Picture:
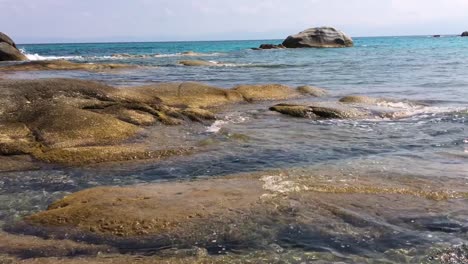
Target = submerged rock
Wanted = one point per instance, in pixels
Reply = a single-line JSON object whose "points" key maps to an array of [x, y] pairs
{"points": [[312, 90], [249, 211], [321, 37], [75, 122], [360, 99], [63, 65], [319, 111], [271, 46], [195, 63]]}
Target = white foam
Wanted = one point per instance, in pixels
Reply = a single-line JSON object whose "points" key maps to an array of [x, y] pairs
{"points": [[37, 57], [229, 119]]}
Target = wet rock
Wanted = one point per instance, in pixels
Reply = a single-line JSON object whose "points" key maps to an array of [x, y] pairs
{"points": [[360, 99], [453, 255], [10, 53], [77, 122], [321, 37], [197, 63], [312, 90], [266, 92], [248, 211], [63, 65], [464, 34], [179, 212], [191, 94], [25, 247], [319, 111], [271, 46]]}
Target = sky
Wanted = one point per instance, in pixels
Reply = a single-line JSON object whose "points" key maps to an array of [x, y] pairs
{"points": [[45, 21]]}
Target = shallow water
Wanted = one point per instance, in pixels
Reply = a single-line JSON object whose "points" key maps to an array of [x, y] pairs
{"points": [[431, 142]]}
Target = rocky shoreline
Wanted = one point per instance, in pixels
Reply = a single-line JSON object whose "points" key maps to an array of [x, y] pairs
{"points": [[289, 215]]}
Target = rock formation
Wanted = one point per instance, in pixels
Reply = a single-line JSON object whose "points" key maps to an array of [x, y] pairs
{"points": [[321, 37], [8, 50], [270, 46], [63, 65], [464, 34], [75, 122]]}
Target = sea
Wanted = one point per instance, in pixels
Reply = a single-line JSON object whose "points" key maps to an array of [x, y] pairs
{"points": [[431, 142]]}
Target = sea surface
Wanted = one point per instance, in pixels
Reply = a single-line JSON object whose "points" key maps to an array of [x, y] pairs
{"points": [[432, 142]]}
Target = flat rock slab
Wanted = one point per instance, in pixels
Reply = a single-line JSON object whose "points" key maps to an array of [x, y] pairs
{"points": [[63, 65]]}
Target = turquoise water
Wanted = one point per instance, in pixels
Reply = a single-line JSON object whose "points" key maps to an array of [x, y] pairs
{"points": [[432, 142]]}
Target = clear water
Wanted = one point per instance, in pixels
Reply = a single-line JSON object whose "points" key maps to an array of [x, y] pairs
{"points": [[432, 143]]}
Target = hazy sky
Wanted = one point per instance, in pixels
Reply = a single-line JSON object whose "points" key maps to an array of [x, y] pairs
{"points": [[146, 20]]}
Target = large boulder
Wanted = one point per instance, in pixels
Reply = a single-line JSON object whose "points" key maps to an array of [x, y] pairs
{"points": [[8, 50], [464, 34], [7, 40], [10, 53], [321, 37]]}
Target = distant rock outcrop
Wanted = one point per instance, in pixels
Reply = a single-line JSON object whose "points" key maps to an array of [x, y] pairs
{"points": [[270, 46], [321, 37], [8, 50], [464, 34]]}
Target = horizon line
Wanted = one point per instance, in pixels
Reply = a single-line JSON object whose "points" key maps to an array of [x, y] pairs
{"points": [[226, 40]]}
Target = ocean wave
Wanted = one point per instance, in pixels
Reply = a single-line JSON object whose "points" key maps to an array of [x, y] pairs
{"points": [[37, 57], [158, 55]]}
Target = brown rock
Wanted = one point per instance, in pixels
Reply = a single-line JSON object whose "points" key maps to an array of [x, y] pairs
{"points": [[266, 92], [312, 90], [63, 65]]}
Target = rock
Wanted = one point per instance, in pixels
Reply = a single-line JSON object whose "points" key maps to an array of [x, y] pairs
{"points": [[6, 39], [10, 53], [8, 50], [322, 37], [77, 122], [271, 46], [312, 90], [190, 94], [197, 95], [436, 36], [319, 111], [266, 92], [195, 63], [464, 34], [247, 211], [190, 53], [34, 247], [63, 65], [181, 212], [360, 99]]}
